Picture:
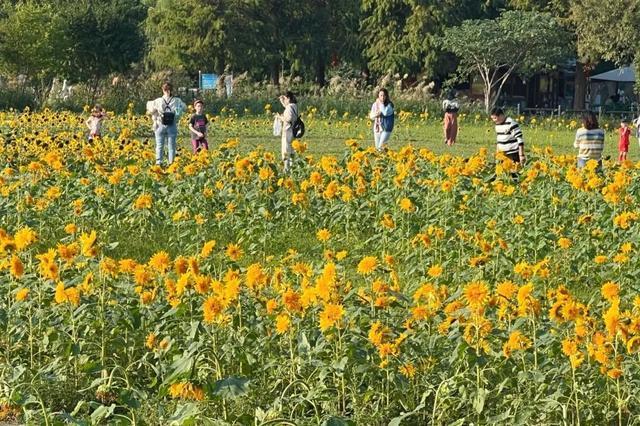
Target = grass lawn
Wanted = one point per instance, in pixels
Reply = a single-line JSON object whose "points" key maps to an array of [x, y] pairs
{"points": [[327, 136]]}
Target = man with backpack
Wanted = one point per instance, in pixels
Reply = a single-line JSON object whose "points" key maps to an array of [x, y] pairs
{"points": [[166, 112]]}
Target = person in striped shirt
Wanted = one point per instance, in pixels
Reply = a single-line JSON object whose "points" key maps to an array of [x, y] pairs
{"points": [[589, 140], [510, 141]]}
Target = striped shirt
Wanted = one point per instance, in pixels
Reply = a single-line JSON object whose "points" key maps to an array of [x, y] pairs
{"points": [[450, 105], [590, 143], [509, 136]]}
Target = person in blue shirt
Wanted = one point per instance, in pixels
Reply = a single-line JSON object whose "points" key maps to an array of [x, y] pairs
{"points": [[382, 115]]}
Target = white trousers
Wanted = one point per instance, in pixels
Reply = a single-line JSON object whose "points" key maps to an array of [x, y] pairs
{"points": [[286, 150], [381, 139]]}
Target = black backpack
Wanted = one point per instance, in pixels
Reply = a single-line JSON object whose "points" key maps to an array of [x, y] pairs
{"points": [[168, 116], [298, 126]]}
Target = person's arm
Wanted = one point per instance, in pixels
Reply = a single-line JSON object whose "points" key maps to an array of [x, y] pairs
{"points": [[576, 141], [374, 111], [523, 158], [152, 108], [516, 132], [179, 107]]}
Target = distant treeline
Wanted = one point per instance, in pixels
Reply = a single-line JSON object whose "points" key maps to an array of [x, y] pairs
{"points": [[87, 41]]}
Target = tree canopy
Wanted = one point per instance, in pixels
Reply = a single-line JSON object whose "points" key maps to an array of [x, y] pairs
{"points": [[516, 42], [85, 40]]}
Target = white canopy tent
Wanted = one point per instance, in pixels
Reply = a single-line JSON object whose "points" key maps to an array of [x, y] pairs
{"points": [[620, 75], [613, 89]]}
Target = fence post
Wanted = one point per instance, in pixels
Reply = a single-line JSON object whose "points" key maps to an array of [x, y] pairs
{"points": [[518, 109], [559, 110]]}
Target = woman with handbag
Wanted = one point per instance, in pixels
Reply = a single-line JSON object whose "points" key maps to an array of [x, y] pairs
{"points": [[288, 118], [382, 115], [166, 112]]}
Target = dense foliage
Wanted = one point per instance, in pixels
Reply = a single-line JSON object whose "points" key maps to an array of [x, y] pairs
{"points": [[85, 41]]}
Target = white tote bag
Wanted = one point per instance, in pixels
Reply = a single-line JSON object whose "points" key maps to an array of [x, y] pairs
{"points": [[277, 126]]}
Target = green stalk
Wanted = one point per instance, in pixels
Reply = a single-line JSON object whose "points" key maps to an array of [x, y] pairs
{"points": [[575, 395]]}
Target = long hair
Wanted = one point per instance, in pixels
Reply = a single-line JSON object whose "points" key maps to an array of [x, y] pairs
{"points": [[386, 100], [589, 120]]}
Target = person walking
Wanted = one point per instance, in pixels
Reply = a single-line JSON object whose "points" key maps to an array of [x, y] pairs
{"points": [[382, 114], [288, 117], [450, 125], [509, 139], [589, 141], [166, 112]]}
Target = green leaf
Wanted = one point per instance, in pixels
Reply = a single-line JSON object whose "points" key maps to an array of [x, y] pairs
{"points": [[181, 366], [338, 421], [231, 387], [184, 413], [303, 344], [478, 401], [101, 413]]}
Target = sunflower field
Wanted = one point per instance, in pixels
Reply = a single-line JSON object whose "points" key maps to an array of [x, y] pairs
{"points": [[404, 288]]}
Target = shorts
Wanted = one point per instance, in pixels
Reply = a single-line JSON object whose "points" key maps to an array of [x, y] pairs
{"points": [[199, 144]]}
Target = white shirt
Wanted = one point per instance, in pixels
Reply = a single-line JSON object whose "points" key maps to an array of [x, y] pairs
{"points": [[157, 107], [94, 124], [376, 109], [289, 116]]}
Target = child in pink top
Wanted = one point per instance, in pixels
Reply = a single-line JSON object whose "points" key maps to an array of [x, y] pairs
{"points": [[94, 122], [623, 141]]}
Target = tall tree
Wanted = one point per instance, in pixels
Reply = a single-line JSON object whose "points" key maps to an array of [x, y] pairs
{"points": [[608, 30], [101, 38], [31, 42], [186, 35], [516, 42], [326, 30], [259, 35], [401, 36]]}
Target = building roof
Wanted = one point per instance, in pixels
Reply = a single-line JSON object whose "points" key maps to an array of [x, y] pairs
{"points": [[622, 75]]}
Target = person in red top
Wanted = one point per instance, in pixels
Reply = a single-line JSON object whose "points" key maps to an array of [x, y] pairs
{"points": [[623, 141]]}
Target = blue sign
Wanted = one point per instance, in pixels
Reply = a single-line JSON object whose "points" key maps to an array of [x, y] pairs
{"points": [[208, 81]]}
